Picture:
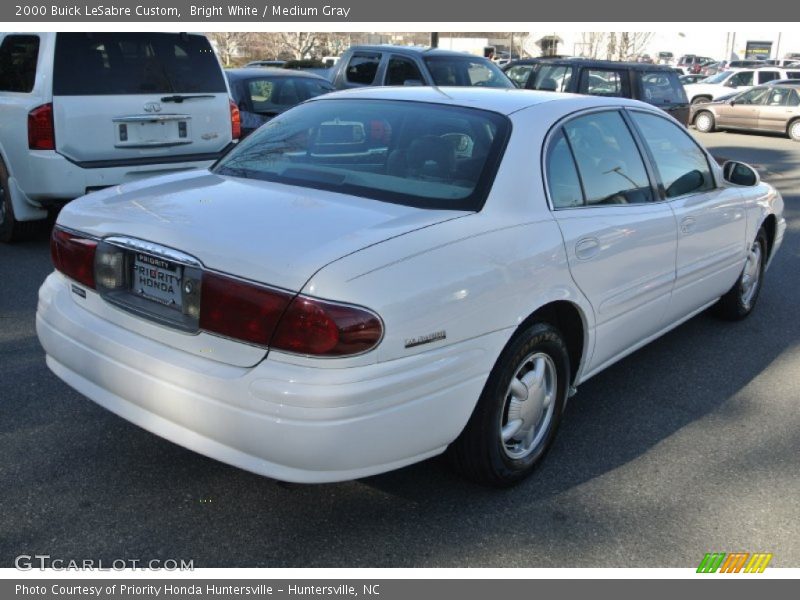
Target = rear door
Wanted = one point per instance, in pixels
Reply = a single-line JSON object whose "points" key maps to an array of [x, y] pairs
{"points": [[138, 97], [780, 107]]}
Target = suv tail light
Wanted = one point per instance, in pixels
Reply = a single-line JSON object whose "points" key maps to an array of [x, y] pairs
{"points": [[281, 320], [236, 121], [73, 256], [41, 131]]}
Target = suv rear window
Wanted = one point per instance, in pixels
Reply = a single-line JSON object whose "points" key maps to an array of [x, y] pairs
{"points": [[91, 64], [18, 56], [412, 153], [661, 87]]}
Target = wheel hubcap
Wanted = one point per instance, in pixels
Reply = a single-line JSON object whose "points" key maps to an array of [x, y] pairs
{"points": [[2, 205], [529, 406], [703, 123], [751, 275], [795, 132]]}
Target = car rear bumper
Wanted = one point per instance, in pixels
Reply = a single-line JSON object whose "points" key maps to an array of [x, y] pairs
{"points": [[289, 422], [49, 177]]}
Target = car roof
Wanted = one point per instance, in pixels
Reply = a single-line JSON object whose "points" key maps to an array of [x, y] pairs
{"points": [[258, 72], [785, 82], [412, 50], [590, 62], [501, 100]]}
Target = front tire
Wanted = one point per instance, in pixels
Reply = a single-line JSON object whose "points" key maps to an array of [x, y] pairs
{"points": [[518, 413], [701, 100], [740, 300], [704, 122]]}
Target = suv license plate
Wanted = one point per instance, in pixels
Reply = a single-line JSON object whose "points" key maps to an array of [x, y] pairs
{"points": [[157, 279]]}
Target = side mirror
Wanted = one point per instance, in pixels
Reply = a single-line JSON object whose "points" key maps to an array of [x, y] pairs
{"points": [[739, 173]]}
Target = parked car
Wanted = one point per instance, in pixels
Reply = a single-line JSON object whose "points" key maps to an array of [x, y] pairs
{"points": [[277, 64], [362, 66], [692, 63], [723, 83], [665, 58], [655, 84], [773, 107], [688, 79], [368, 280], [84, 111], [261, 94]]}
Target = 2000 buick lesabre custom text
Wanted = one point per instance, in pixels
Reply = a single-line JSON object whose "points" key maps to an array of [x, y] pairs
{"points": [[380, 275]]}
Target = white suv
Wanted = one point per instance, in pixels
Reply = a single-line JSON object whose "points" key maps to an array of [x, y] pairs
{"points": [[84, 111], [725, 82]]}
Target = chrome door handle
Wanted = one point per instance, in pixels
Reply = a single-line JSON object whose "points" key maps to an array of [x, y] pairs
{"points": [[586, 248]]}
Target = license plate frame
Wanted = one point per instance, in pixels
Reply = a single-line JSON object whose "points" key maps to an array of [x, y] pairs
{"points": [[157, 280]]}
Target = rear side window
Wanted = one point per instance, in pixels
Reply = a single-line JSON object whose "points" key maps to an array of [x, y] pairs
{"points": [[401, 70], [562, 176], [553, 78], [765, 76], [362, 68], [792, 74], [683, 167], [135, 63], [793, 99], [18, 56], [604, 82], [660, 87], [609, 163]]}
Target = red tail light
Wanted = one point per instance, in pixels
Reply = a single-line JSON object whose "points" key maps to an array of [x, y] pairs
{"points": [[73, 256], [240, 310], [41, 132], [268, 317], [321, 328], [236, 121]]}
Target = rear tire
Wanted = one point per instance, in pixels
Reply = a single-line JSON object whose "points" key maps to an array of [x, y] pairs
{"points": [[740, 300], [12, 230], [794, 130], [518, 413], [704, 122]]}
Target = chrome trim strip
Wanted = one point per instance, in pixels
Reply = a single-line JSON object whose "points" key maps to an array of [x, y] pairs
{"points": [[156, 249], [150, 118]]}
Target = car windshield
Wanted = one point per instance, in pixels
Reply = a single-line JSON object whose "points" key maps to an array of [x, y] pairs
{"points": [[466, 71], [412, 153], [717, 77]]}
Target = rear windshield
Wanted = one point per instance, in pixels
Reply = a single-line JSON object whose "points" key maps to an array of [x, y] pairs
{"points": [[272, 95], [134, 63], [466, 71], [662, 87], [412, 153]]}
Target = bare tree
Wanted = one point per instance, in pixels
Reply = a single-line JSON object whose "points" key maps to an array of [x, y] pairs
{"points": [[231, 44], [611, 47], [591, 43], [300, 43]]}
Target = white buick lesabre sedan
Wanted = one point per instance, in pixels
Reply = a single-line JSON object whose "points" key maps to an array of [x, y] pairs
{"points": [[382, 275]]}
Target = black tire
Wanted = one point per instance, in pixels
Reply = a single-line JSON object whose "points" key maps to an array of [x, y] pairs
{"points": [[704, 122], [12, 230], [740, 300], [480, 452], [701, 100], [793, 130]]}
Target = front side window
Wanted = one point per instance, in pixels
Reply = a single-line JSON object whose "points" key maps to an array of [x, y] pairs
{"points": [[466, 71], [402, 70], [519, 74], [741, 78], [552, 78], [753, 96], [362, 68], [412, 153], [18, 57], [135, 63], [681, 165], [610, 166], [604, 82]]}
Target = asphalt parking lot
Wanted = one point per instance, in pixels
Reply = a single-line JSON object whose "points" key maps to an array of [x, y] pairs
{"points": [[691, 445]]}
